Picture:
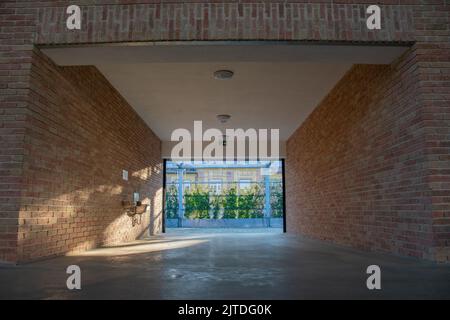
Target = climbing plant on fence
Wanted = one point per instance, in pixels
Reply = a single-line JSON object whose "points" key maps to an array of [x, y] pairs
{"points": [[216, 206], [172, 202], [230, 204], [250, 203], [196, 204], [276, 200], [202, 203]]}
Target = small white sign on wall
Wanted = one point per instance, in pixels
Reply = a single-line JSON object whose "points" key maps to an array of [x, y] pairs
{"points": [[136, 197], [125, 175]]}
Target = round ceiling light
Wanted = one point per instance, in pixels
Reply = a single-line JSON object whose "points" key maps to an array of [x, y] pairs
{"points": [[223, 74], [223, 118]]}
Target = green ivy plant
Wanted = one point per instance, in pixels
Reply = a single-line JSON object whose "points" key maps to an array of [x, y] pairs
{"points": [[172, 202], [216, 206], [250, 203], [202, 203], [196, 204], [276, 200], [230, 204]]}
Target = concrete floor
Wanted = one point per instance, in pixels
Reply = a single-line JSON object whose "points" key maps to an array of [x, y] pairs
{"points": [[226, 264]]}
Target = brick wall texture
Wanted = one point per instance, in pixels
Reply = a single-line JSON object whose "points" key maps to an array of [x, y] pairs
{"points": [[358, 166], [369, 168], [80, 135]]}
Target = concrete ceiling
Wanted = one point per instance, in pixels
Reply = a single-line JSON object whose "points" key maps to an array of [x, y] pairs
{"points": [[260, 95], [275, 86]]}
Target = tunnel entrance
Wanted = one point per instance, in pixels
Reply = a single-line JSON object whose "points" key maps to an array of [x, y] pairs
{"points": [[137, 96], [162, 87]]}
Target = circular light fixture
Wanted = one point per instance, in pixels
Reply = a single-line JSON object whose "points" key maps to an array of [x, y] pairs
{"points": [[223, 74], [223, 118]]}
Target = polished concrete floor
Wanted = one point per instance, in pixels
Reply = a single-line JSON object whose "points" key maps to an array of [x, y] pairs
{"points": [[226, 264]]}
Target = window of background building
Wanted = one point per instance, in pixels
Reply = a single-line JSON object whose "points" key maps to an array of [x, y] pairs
{"points": [[244, 183]]}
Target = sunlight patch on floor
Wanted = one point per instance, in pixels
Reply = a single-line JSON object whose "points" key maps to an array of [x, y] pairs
{"points": [[139, 247]]}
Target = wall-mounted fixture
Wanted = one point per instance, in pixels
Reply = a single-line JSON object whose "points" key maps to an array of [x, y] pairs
{"points": [[134, 209]]}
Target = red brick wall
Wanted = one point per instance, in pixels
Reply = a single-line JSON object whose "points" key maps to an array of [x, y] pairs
{"points": [[432, 32], [370, 167], [231, 20], [357, 165], [17, 29], [80, 135], [426, 69]]}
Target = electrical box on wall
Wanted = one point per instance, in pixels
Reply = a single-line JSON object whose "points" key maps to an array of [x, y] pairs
{"points": [[136, 197], [125, 175]]}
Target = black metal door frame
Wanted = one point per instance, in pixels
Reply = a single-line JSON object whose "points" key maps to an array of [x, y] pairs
{"points": [[164, 197], [283, 181]]}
